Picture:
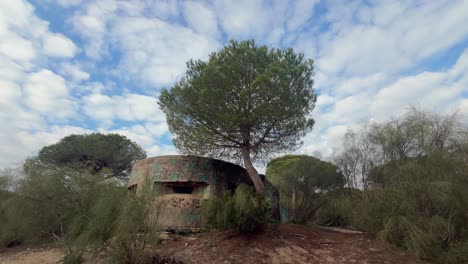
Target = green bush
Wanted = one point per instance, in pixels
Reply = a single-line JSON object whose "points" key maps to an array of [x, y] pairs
{"points": [[458, 253], [336, 211], [73, 258], [18, 222], [118, 222], [84, 213], [408, 234], [245, 210], [303, 182], [135, 230], [428, 220]]}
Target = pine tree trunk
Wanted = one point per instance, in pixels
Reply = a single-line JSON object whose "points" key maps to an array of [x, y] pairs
{"points": [[253, 174]]}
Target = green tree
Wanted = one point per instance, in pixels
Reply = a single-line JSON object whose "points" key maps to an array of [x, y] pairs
{"points": [[98, 153], [245, 102], [417, 170], [302, 180]]}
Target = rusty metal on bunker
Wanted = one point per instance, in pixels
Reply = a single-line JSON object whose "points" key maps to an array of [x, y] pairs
{"points": [[183, 182]]}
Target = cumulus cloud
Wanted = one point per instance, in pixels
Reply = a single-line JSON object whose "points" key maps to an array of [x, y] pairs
{"points": [[268, 21], [389, 36], [69, 3], [128, 107], [201, 18], [46, 92], [74, 71], [152, 49], [162, 49], [102, 70], [441, 91], [57, 45], [31, 95]]}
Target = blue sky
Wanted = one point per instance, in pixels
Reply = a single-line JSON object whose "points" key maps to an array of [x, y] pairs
{"points": [[77, 66]]}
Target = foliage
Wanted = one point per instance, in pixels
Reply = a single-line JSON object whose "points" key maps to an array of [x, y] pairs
{"points": [[41, 203], [4, 181], [85, 213], [415, 135], [5, 185], [135, 229], [245, 210], [415, 191], [246, 101], [112, 154], [302, 182], [457, 253]]}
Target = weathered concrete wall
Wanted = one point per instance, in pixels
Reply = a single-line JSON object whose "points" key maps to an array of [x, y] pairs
{"points": [[183, 183]]}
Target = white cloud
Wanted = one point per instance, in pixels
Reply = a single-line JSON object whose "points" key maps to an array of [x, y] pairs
{"points": [[159, 150], [147, 136], [152, 50], [10, 93], [128, 107], [439, 91], [24, 36], [324, 100], [69, 3], [201, 18], [36, 140], [46, 93], [57, 45], [157, 129], [368, 57], [354, 85], [74, 71], [267, 21], [162, 49], [143, 139], [463, 110], [301, 12], [92, 26], [433, 90], [17, 48], [404, 36]]}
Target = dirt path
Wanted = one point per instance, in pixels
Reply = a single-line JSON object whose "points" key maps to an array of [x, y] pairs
{"points": [[290, 244], [40, 254]]}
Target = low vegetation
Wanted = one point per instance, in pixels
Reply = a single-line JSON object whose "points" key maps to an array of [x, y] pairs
{"points": [[413, 179], [302, 182], [78, 208], [246, 210]]}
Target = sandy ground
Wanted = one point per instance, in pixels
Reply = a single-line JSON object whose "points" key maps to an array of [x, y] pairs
{"points": [[289, 244], [39, 254]]}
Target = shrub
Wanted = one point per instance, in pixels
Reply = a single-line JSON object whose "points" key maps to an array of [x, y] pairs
{"points": [[83, 212], [407, 233], [135, 228], [245, 210], [303, 182], [458, 253], [336, 211], [117, 222], [18, 223]]}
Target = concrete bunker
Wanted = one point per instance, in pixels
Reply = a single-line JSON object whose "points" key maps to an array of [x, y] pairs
{"points": [[184, 182]]}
